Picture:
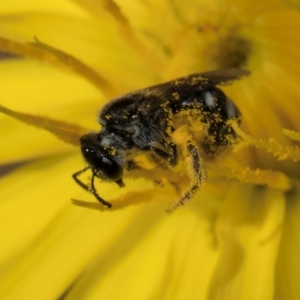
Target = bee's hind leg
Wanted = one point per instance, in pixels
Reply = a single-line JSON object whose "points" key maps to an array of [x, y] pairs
{"points": [[196, 172]]}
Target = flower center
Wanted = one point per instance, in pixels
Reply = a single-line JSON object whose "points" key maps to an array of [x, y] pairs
{"points": [[230, 50]]}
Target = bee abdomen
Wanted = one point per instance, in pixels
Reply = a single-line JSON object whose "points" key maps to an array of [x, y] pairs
{"points": [[210, 102]]}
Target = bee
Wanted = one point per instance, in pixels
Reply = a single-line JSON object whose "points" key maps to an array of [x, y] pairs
{"points": [[144, 121]]}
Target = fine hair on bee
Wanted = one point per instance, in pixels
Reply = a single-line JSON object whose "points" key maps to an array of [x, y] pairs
{"points": [[144, 122]]}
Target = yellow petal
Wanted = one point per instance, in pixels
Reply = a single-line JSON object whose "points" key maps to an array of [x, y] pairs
{"points": [[227, 243], [45, 232], [67, 132], [249, 232], [294, 3], [55, 6], [43, 91], [81, 39], [288, 263]]}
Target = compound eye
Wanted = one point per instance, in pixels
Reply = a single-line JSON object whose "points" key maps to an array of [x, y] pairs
{"points": [[112, 170]]}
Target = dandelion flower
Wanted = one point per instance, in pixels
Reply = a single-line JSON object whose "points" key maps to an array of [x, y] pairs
{"points": [[237, 239]]}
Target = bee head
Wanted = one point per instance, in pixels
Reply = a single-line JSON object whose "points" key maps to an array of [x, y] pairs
{"points": [[101, 159]]}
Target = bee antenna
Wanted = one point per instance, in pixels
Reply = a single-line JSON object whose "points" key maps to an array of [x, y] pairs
{"points": [[94, 192]]}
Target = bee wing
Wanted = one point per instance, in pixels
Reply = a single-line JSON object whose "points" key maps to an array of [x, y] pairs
{"points": [[196, 82], [217, 77]]}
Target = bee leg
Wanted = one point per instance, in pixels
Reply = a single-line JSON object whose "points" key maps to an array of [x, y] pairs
{"points": [[94, 192], [78, 181], [87, 188], [173, 156], [196, 172], [170, 154], [157, 161], [159, 174], [132, 165]]}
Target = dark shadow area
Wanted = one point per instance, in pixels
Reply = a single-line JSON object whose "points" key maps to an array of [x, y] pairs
{"points": [[5, 169], [7, 55]]}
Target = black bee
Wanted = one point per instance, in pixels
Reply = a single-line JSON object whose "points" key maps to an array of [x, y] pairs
{"points": [[144, 121]]}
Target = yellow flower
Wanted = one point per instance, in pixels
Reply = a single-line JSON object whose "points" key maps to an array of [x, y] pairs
{"points": [[238, 238]]}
